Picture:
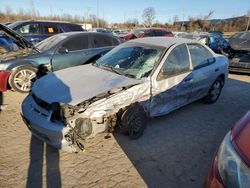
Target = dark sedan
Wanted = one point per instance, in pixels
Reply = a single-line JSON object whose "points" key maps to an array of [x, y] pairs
{"points": [[36, 31], [19, 69]]}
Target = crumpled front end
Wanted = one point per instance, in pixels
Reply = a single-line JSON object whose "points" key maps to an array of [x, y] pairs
{"points": [[67, 127]]}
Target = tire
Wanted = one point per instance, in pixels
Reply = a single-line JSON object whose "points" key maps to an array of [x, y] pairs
{"points": [[134, 121], [214, 92], [22, 79]]}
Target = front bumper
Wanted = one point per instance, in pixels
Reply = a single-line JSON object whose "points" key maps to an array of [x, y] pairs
{"points": [[38, 121], [214, 180], [4, 76]]}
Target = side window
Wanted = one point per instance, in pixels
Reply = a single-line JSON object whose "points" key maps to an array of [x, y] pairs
{"points": [[199, 55], [177, 62], [50, 29], [76, 43], [158, 33], [28, 29], [102, 41]]}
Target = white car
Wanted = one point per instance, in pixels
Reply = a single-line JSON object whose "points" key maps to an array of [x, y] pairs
{"points": [[142, 78]]}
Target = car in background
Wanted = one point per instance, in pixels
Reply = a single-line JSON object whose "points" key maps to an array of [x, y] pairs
{"points": [[147, 32], [231, 165], [101, 30], [215, 41], [36, 31], [141, 78], [239, 52], [120, 32], [20, 69]]}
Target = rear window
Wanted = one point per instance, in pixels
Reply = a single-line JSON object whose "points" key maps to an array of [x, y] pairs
{"points": [[74, 27]]}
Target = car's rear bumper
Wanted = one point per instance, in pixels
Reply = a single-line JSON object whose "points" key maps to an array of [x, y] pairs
{"points": [[39, 123], [4, 76]]}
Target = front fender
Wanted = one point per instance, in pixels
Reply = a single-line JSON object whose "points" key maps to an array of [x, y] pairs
{"points": [[4, 76]]}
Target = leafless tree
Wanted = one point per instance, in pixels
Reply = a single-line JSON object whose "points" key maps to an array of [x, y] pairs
{"points": [[148, 16]]}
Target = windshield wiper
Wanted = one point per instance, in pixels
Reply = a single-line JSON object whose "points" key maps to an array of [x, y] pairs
{"points": [[113, 69]]}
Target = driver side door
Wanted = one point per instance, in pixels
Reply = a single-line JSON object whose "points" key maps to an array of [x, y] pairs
{"points": [[172, 84], [72, 52]]}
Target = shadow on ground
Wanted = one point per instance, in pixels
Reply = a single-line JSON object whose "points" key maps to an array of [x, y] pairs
{"points": [[176, 149], [43, 154]]}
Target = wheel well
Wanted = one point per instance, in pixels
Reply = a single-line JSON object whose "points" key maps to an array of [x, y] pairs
{"points": [[222, 77]]}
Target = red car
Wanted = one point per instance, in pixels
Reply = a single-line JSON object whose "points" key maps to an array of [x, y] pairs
{"points": [[152, 32], [231, 166]]}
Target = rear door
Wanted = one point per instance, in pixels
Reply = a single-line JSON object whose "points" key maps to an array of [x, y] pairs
{"points": [[101, 44], [49, 29], [172, 84], [75, 52], [204, 70]]}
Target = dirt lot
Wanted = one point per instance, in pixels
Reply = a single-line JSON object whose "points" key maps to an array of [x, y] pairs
{"points": [[175, 151]]}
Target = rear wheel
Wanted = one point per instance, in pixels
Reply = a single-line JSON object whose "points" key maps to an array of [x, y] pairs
{"points": [[134, 121], [214, 92], [22, 79]]}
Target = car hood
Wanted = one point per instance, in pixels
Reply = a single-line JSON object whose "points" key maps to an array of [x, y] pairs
{"points": [[77, 84]]}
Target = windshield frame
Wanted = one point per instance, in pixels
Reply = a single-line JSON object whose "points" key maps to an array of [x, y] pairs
{"points": [[162, 50]]}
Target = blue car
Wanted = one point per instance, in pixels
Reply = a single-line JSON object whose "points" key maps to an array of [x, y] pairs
{"points": [[36, 31]]}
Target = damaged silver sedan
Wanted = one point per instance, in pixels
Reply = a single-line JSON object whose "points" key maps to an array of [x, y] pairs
{"points": [[137, 80]]}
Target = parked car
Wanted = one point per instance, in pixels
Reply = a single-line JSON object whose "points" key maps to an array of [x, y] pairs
{"points": [[215, 41], [141, 78], [239, 52], [19, 69], [231, 165], [150, 32], [101, 30], [36, 31]]}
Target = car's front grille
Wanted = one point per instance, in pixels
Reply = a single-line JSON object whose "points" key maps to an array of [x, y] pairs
{"points": [[41, 103]]}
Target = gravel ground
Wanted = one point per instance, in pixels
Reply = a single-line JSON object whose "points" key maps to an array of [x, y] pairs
{"points": [[175, 151]]}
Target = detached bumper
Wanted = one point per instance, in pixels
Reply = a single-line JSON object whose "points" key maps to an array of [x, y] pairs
{"points": [[38, 122], [4, 76]]}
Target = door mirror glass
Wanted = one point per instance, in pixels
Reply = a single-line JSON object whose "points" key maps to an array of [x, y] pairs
{"points": [[63, 50], [211, 60]]}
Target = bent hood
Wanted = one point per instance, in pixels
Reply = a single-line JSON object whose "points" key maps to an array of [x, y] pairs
{"points": [[77, 84]]}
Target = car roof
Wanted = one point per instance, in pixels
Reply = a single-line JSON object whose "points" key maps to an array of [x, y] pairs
{"points": [[162, 41], [84, 32]]}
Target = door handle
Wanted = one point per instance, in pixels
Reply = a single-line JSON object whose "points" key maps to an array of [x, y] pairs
{"points": [[216, 70]]}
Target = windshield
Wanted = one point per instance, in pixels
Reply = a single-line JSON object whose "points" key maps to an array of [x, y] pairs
{"points": [[132, 59], [49, 42]]}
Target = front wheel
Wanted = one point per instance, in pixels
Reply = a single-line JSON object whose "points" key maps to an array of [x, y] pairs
{"points": [[214, 92], [22, 79], [134, 121]]}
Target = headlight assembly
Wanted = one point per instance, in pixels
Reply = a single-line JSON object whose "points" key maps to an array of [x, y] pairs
{"points": [[233, 171]]}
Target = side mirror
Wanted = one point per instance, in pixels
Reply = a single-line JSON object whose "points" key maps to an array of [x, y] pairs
{"points": [[63, 50], [211, 60]]}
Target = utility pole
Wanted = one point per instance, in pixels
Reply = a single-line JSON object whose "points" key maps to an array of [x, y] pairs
{"points": [[97, 14]]}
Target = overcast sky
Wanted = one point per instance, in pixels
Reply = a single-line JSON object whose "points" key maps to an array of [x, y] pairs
{"points": [[120, 10]]}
